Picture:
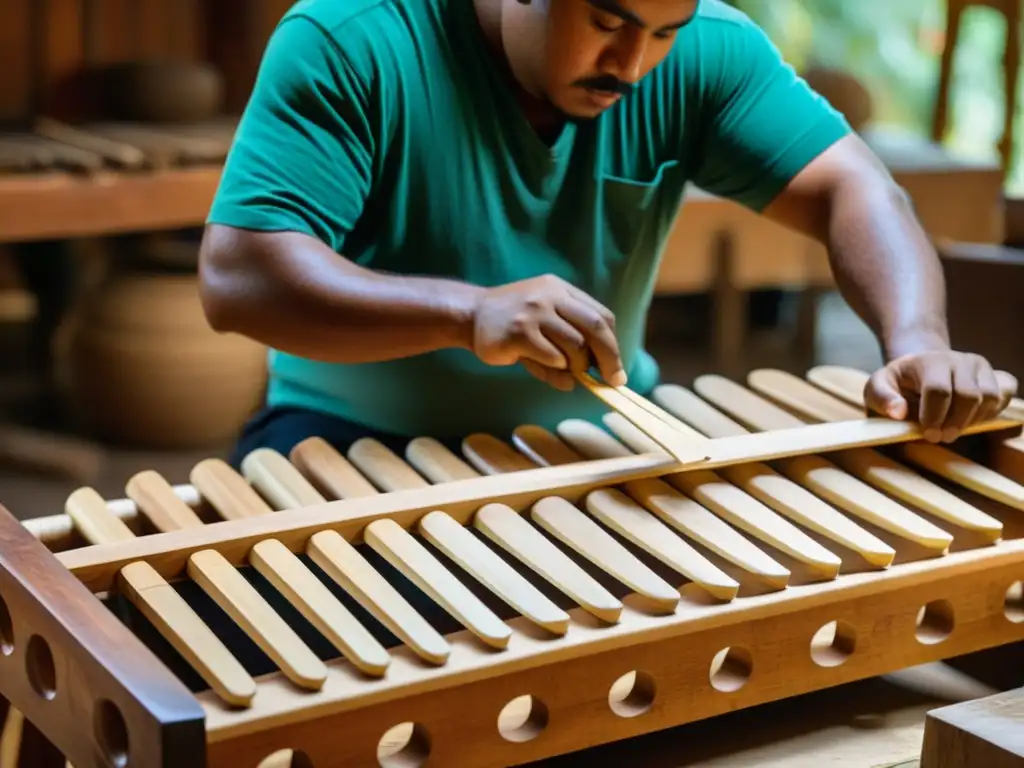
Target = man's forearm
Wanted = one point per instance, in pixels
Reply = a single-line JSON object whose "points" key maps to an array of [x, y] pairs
{"points": [[885, 267], [294, 294]]}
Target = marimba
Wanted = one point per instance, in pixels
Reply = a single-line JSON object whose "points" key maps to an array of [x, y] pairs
{"points": [[590, 585]]}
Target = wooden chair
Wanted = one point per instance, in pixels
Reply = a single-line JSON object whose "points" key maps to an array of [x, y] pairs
{"points": [[1011, 12], [984, 283]]}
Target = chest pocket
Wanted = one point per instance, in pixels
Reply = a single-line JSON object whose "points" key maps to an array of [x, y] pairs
{"points": [[634, 208]]}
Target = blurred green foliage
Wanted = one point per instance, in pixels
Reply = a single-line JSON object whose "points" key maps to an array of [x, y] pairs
{"points": [[894, 46]]}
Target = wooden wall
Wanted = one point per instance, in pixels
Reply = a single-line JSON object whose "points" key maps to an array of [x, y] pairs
{"points": [[46, 45]]}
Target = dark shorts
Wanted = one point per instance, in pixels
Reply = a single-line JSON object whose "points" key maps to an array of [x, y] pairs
{"points": [[282, 429]]}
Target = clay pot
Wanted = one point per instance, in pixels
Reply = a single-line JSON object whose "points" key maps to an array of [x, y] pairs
{"points": [[160, 91], [142, 367], [844, 92]]}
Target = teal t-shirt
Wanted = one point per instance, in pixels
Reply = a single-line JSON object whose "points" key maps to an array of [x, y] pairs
{"points": [[386, 129]]}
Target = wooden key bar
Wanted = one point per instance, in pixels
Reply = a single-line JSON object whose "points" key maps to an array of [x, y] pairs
{"points": [[161, 604], [228, 588]]}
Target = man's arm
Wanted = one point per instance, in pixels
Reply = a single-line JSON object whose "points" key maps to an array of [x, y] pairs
{"points": [[890, 274], [883, 262], [291, 292], [305, 160], [294, 186], [773, 145]]}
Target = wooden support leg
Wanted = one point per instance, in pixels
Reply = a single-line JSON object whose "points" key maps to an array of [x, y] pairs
{"points": [[807, 323], [730, 308], [940, 120], [1011, 71], [6, 749]]}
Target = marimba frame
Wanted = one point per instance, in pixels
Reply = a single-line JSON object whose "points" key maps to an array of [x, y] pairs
{"points": [[99, 694]]}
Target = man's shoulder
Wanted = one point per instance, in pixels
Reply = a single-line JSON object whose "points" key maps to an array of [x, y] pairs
{"points": [[383, 23], [374, 38], [721, 12], [332, 15], [720, 40], [720, 43]]}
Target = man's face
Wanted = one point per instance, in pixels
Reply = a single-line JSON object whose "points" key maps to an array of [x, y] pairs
{"points": [[585, 55]]}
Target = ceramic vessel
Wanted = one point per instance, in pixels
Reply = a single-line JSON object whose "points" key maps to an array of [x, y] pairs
{"points": [[143, 367]]}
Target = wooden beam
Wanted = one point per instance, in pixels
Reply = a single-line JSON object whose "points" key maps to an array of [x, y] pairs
{"points": [[983, 733]]}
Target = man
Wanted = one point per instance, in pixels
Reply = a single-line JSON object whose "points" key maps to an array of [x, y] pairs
{"points": [[436, 210]]}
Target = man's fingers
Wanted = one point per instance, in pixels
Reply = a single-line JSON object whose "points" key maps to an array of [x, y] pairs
{"points": [[883, 396], [607, 315], [601, 341], [563, 380], [568, 339], [992, 396], [1008, 388], [934, 380], [538, 348], [965, 399]]}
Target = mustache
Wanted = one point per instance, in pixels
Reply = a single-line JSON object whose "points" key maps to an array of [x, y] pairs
{"points": [[605, 83]]}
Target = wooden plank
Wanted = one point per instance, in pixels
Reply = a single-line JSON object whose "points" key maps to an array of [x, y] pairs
{"points": [[59, 206], [986, 732], [15, 61], [110, 34], [187, 23], [57, 86], [153, 27]]}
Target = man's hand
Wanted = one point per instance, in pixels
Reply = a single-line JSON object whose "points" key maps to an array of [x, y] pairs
{"points": [[943, 390], [551, 327]]}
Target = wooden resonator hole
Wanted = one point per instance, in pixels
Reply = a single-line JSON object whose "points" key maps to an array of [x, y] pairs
{"points": [[286, 758], [6, 630], [833, 644], [406, 745], [111, 733], [39, 666], [632, 694], [523, 719], [1015, 602], [935, 622], [731, 668]]}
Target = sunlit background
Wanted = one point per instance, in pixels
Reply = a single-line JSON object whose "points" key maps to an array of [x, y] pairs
{"points": [[893, 47]]}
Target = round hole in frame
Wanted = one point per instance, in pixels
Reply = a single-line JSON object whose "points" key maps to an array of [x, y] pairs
{"points": [[286, 758], [111, 733], [935, 622], [833, 644], [39, 667], [1015, 602], [523, 719], [6, 630], [731, 668], [406, 745], [632, 694]]}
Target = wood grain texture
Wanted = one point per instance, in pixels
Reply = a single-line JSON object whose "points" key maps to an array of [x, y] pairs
{"points": [[981, 733], [457, 705], [60, 37], [79, 656], [16, 61]]}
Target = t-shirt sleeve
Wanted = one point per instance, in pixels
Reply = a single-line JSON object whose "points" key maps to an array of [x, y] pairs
{"points": [[760, 123], [303, 155]]}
